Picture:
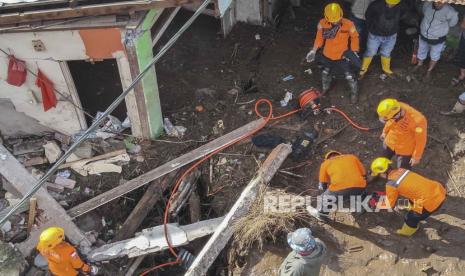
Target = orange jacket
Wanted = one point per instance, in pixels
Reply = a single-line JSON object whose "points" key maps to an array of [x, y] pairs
{"points": [[343, 172], [63, 260], [424, 193], [407, 136], [335, 48]]}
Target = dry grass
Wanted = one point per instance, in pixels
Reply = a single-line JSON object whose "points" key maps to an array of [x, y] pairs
{"points": [[259, 226]]}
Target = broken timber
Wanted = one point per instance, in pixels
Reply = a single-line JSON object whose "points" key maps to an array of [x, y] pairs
{"points": [[153, 240], [143, 207], [54, 214], [163, 169], [223, 233]]}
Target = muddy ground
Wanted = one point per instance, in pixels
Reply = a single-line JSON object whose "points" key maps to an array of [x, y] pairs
{"points": [[205, 69]]}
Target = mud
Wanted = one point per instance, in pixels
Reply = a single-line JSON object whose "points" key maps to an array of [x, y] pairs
{"points": [[221, 69]]}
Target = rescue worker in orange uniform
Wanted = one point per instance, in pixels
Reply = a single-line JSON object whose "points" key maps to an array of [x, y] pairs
{"points": [[341, 175], [425, 195], [62, 258], [404, 133], [337, 35]]}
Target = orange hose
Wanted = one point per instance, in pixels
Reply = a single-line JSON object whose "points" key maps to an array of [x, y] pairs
{"points": [[267, 118], [348, 119]]}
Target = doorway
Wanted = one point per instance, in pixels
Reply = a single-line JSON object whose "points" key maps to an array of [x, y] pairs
{"points": [[98, 84]]}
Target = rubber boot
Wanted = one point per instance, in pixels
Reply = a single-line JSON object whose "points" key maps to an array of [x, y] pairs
{"points": [[365, 64], [407, 230], [325, 80], [386, 65], [353, 84]]}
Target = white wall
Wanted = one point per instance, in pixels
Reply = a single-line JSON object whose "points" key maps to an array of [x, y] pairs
{"points": [[248, 11], [59, 45]]}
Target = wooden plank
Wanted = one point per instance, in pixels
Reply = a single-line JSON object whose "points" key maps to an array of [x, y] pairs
{"points": [[224, 231], [32, 213], [95, 158], [162, 23], [143, 207], [125, 7], [164, 169], [53, 214], [132, 269]]}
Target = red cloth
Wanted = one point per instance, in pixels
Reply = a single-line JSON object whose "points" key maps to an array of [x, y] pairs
{"points": [[16, 71], [49, 98]]}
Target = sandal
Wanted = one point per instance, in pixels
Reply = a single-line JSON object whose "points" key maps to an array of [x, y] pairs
{"points": [[455, 81]]}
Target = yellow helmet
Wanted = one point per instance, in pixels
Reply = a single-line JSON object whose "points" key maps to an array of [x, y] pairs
{"points": [[331, 152], [380, 165], [388, 108], [50, 238], [333, 12], [392, 2]]}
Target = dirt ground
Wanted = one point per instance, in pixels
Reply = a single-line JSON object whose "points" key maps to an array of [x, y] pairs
{"points": [[205, 69]]}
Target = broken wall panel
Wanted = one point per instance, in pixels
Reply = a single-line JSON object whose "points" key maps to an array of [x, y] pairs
{"points": [[53, 213], [153, 240]]}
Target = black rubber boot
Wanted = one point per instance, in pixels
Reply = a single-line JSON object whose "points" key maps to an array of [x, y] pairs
{"points": [[325, 80], [353, 85]]}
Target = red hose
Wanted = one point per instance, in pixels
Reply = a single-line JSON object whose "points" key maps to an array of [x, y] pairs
{"points": [[348, 119], [267, 118]]}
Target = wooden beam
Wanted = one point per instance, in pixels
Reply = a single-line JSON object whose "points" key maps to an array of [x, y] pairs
{"points": [[53, 214], [224, 231], [32, 213], [164, 169], [143, 207], [162, 23], [91, 10]]}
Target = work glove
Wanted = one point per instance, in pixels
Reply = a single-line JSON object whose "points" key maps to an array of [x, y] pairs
{"points": [[311, 56], [322, 186], [93, 270]]}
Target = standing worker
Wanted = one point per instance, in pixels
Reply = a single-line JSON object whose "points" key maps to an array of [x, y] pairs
{"points": [[358, 9], [404, 133], [336, 34], [306, 256], [341, 175], [438, 18], [382, 19], [63, 259], [425, 195]]}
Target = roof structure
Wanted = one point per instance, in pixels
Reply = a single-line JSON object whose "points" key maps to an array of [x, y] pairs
{"points": [[26, 11]]}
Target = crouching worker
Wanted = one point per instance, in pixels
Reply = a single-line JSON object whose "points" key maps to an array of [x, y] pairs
{"points": [[340, 175], [336, 34], [404, 134], [306, 256], [425, 195], [63, 259]]}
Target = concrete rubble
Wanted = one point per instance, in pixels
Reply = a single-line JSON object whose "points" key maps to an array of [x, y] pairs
{"points": [[152, 240]]}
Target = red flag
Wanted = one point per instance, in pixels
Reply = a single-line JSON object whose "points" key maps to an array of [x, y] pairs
{"points": [[49, 98]]}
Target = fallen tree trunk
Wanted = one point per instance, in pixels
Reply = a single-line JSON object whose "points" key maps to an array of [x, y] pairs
{"points": [[163, 170], [153, 240], [54, 214], [223, 233]]}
